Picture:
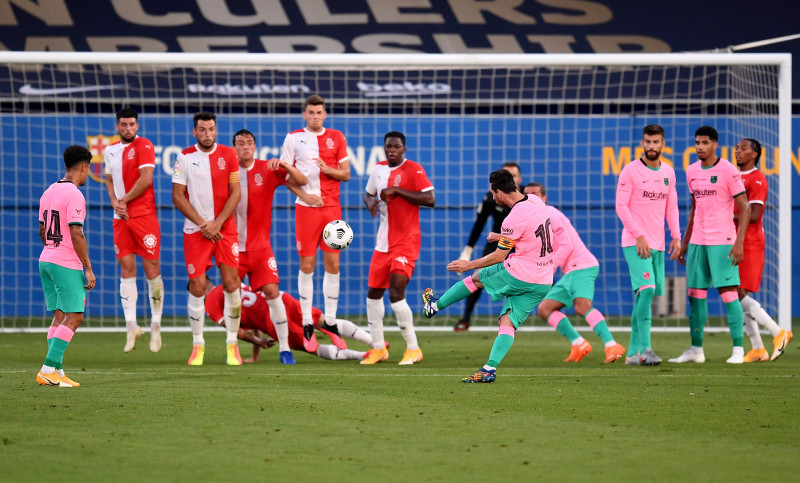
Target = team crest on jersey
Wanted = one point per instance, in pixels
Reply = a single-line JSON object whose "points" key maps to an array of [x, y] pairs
{"points": [[666, 181], [235, 249], [131, 153], [713, 179], [221, 163], [329, 143], [397, 180], [258, 179], [150, 240], [272, 264], [190, 269]]}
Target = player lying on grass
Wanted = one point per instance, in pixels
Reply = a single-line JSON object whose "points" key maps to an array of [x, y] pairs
{"points": [[256, 317]]}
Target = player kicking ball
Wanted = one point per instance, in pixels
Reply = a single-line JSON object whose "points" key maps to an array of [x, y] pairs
{"points": [[521, 279]]}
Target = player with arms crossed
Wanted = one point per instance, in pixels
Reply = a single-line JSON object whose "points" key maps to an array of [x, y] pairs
{"points": [[485, 209], [748, 153], [259, 179], [714, 246], [256, 319], [576, 287], [396, 189], [646, 196], [522, 278], [320, 154], [129, 182], [205, 188], [62, 211]]}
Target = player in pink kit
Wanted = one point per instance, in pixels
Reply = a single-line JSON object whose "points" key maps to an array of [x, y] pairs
{"points": [[129, 182], [522, 277], [206, 189], [396, 189], [259, 179], [256, 317], [748, 152], [646, 196], [713, 247], [320, 154], [576, 287], [62, 211]]}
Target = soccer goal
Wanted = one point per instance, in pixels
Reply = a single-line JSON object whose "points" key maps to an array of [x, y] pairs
{"points": [[570, 121]]}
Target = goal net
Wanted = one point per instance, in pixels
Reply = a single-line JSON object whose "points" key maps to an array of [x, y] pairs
{"points": [[571, 122]]}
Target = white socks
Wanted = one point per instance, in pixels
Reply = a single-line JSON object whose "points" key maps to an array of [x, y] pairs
{"points": [[155, 291], [330, 289], [128, 295], [757, 312], [751, 329], [332, 353], [305, 288], [233, 312], [375, 311], [277, 312], [352, 331], [197, 318], [405, 320]]}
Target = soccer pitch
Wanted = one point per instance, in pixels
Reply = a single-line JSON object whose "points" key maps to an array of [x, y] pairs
{"points": [[150, 417]]}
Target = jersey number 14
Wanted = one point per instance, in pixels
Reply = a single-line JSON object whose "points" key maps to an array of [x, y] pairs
{"points": [[53, 227]]}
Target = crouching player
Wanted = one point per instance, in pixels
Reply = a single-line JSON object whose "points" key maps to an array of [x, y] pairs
{"points": [[255, 316]]}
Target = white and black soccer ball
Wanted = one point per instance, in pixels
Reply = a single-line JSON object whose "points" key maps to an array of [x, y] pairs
{"points": [[337, 234]]}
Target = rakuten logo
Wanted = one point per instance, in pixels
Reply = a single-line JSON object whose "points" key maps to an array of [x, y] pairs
{"points": [[244, 90], [404, 89]]}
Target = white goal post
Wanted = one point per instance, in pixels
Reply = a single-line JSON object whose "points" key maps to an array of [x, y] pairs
{"points": [[569, 121]]}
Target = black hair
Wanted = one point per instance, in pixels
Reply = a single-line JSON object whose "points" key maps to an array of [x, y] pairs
{"points": [[204, 116], [127, 113], [75, 155], [756, 147], [511, 164], [243, 132], [707, 131], [502, 180], [653, 130], [534, 184], [395, 134]]}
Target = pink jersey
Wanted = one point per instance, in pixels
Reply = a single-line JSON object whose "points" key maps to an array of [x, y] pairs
{"points": [[207, 177], [254, 212], [569, 252], [301, 147], [123, 162], [61, 205], [757, 187], [713, 190], [399, 225], [645, 197], [527, 228]]}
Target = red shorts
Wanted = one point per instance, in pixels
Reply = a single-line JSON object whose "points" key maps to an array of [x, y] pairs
{"points": [[198, 250], [140, 235], [309, 223], [295, 317], [383, 264], [260, 266], [751, 269]]}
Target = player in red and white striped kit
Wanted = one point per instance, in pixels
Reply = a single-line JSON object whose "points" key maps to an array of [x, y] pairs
{"points": [[206, 189], [321, 154], [129, 181], [259, 179]]}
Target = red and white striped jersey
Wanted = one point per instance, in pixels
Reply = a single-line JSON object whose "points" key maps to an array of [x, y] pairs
{"points": [[206, 177], [123, 162], [254, 212], [399, 219], [301, 147]]}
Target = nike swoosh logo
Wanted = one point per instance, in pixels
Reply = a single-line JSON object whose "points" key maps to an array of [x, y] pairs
{"points": [[29, 90]]}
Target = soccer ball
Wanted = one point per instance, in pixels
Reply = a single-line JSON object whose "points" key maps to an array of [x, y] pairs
{"points": [[337, 234]]}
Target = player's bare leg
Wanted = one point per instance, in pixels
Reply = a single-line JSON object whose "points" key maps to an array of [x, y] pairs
{"points": [[305, 290], [155, 292]]}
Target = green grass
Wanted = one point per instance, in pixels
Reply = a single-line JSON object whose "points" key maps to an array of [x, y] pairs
{"points": [[149, 417]]}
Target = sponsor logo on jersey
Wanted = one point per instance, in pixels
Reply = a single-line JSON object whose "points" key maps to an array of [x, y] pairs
{"points": [[150, 240], [654, 195], [258, 179], [704, 193], [221, 163]]}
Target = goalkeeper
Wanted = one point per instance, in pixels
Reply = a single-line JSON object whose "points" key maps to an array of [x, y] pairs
{"points": [[488, 207]]}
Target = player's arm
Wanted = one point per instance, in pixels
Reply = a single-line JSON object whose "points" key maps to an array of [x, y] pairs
{"points": [[419, 198], [79, 243], [145, 181], [184, 206], [295, 175], [340, 174], [309, 199], [371, 202], [622, 204], [120, 210], [687, 235], [42, 232], [211, 229], [737, 250], [503, 249], [673, 221]]}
